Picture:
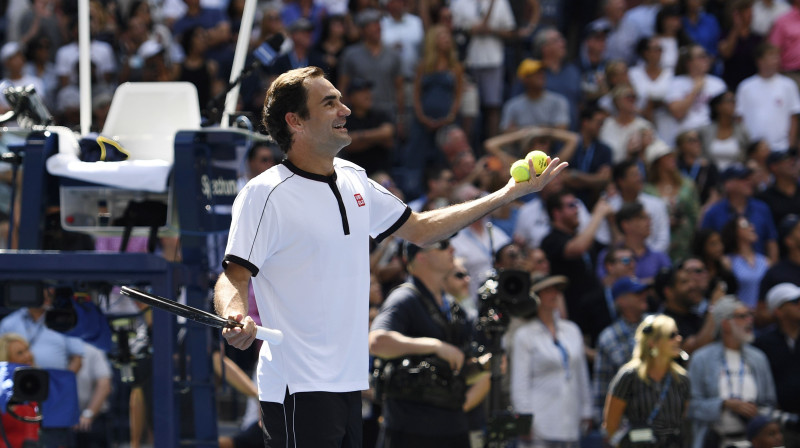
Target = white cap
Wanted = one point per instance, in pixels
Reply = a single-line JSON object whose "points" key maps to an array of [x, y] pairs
{"points": [[782, 293], [656, 150], [149, 48], [10, 49]]}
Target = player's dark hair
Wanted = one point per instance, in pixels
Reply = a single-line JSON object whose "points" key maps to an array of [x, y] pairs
{"points": [[764, 48], [287, 94]]}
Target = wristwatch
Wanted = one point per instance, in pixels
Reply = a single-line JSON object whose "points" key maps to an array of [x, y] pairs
{"points": [[87, 413]]}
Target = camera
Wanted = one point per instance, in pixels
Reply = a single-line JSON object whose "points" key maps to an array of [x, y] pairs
{"points": [[504, 294]]}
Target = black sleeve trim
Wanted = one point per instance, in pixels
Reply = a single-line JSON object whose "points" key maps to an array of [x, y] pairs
{"points": [[241, 262], [399, 223]]}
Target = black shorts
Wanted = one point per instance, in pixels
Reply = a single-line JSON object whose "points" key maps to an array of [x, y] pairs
{"points": [[313, 420]]}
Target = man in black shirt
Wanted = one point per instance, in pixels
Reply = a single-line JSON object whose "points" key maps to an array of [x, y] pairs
{"points": [[783, 196], [676, 291], [572, 253], [787, 269], [371, 130], [417, 319]]}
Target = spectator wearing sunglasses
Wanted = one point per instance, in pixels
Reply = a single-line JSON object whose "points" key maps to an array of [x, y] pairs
{"points": [[597, 310], [730, 379], [571, 250], [418, 319], [651, 391], [634, 223], [616, 342]]}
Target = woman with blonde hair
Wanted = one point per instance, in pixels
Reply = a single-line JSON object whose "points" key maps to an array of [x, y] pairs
{"points": [[650, 392], [437, 99], [14, 348]]}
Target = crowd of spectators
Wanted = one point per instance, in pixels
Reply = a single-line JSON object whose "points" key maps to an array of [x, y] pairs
{"points": [[679, 120]]}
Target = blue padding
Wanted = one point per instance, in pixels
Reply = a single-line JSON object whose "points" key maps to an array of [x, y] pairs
{"points": [[60, 410]]}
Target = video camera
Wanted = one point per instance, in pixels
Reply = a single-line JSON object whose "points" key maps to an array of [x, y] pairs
{"points": [[504, 294]]}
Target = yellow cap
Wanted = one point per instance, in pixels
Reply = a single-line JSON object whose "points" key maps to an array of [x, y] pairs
{"points": [[528, 67]]}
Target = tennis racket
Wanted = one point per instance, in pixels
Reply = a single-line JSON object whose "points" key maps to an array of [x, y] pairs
{"points": [[198, 315]]}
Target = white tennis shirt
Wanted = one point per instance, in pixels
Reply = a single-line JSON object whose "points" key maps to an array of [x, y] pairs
{"points": [[305, 239]]}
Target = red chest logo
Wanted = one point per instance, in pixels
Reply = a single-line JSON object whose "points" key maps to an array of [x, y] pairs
{"points": [[359, 200]]}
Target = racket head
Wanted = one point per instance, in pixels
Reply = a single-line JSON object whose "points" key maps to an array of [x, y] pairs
{"points": [[195, 314]]}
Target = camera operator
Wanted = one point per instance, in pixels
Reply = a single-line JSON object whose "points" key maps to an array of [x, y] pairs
{"points": [[416, 319], [51, 350], [14, 348]]}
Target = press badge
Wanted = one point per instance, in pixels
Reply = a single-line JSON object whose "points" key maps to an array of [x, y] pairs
{"points": [[641, 435]]}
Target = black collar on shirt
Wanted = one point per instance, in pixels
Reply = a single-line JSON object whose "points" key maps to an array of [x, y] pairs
{"points": [[312, 176]]}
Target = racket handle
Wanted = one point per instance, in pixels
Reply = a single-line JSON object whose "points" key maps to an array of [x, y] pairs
{"points": [[270, 335]]}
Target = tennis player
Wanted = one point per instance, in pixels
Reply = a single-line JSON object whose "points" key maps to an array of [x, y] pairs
{"points": [[300, 232]]}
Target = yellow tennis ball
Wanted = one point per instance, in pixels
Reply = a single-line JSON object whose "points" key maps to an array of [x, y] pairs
{"points": [[520, 171], [539, 159]]}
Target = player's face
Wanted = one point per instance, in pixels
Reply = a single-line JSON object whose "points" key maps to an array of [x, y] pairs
{"points": [[325, 126]]}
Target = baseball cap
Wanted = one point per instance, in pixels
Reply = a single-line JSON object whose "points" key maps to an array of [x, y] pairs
{"points": [[410, 250], [782, 293], [597, 27], [528, 67], [735, 171], [755, 425], [301, 24], [357, 84], [787, 226], [779, 156], [540, 283], [10, 49], [368, 16], [627, 285], [656, 150], [149, 49]]}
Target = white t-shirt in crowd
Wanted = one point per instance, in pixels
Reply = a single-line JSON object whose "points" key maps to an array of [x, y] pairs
{"points": [[659, 238], [699, 113], [764, 18], [404, 35], [725, 153], [766, 107], [533, 223], [101, 53], [305, 239], [484, 51], [646, 88], [617, 136]]}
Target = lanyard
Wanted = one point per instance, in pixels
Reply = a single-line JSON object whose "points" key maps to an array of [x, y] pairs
{"points": [[37, 330], [612, 310], [661, 398], [730, 381], [487, 250], [694, 172], [588, 155], [564, 356]]}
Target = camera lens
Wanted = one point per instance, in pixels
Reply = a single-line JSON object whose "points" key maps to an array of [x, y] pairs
{"points": [[30, 385], [513, 285]]}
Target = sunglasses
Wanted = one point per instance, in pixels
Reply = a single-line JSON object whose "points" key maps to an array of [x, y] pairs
{"points": [[742, 315], [674, 334], [460, 275], [625, 260], [441, 245]]}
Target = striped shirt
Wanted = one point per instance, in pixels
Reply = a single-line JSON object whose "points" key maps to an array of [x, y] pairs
{"points": [[641, 399]]}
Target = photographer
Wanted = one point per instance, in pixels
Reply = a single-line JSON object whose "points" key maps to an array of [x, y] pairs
{"points": [[417, 320]]}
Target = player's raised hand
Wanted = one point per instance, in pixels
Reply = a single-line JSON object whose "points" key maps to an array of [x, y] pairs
{"points": [[241, 337], [536, 183]]}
